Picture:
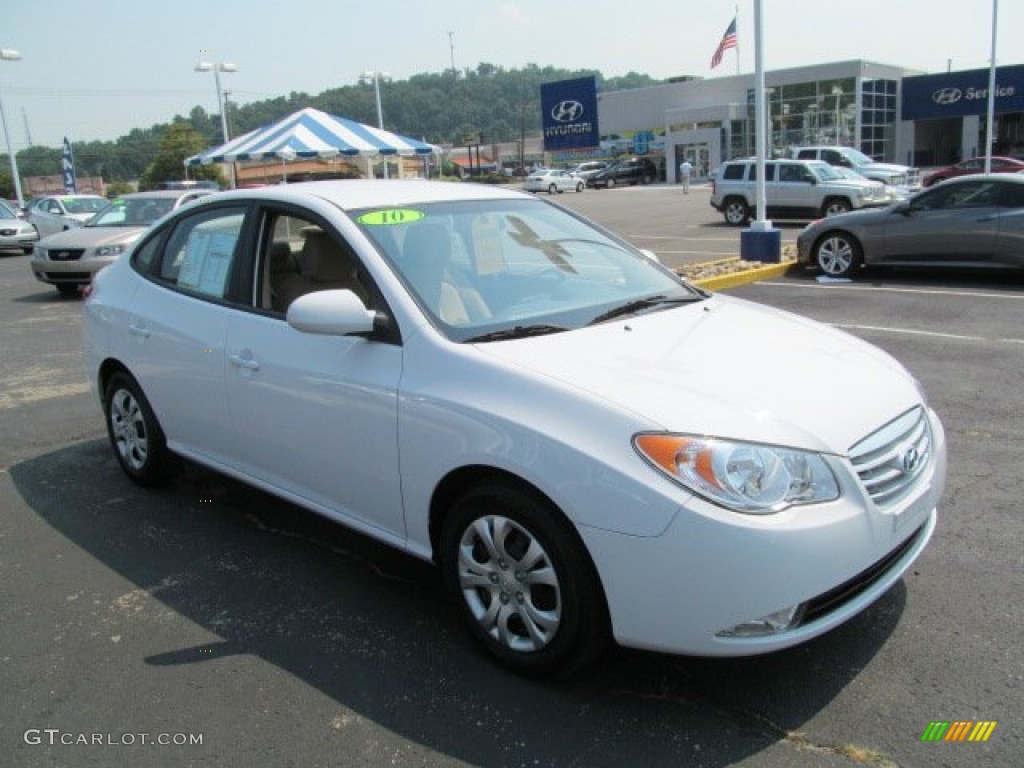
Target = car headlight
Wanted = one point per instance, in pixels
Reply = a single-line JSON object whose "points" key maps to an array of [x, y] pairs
{"points": [[744, 477], [109, 250]]}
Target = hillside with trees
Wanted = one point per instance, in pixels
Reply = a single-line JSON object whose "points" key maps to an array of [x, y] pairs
{"points": [[495, 102]]}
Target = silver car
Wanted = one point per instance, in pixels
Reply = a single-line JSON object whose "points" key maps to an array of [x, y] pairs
{"points": [[16, 234], [971, 221], [551, 181], [56, 213], [68, 260]]}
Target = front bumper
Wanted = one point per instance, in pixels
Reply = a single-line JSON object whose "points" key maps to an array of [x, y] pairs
{"points": [[713, 570]]}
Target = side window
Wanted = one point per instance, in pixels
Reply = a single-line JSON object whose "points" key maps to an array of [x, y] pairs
{"points": [[806, 154], [202, 250], [301, 257], [145, 255], [1012, 195], [734, 172], [832, 157]]}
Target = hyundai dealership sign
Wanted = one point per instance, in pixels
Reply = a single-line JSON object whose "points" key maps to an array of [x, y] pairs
{"points": [[956, 94], [569, 108]]}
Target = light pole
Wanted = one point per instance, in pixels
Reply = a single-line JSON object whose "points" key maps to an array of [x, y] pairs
{"points": [[10, 55], [837, 91], [205, 66], [375, 77]]}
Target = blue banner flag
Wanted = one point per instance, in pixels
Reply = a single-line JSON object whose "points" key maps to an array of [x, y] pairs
{"points": [[67, 163]]}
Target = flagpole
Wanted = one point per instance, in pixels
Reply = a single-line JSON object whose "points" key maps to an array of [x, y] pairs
{"points": [[737, 18], [991, 91]]}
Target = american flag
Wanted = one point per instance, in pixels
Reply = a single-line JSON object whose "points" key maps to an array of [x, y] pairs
{"points": [[728, 41]]}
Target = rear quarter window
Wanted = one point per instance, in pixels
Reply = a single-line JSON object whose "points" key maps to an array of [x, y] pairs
{"points": [[733, 172]]}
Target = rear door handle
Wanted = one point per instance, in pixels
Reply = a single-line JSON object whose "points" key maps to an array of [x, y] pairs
{"points": [[244, 362]]}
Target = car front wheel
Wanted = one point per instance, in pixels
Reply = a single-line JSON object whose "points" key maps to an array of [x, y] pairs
{"points": [[736, 211], [837, 254], [552, 189], [609, 183], [579, 186], [522, 579], [135, 434], [834, 206]]}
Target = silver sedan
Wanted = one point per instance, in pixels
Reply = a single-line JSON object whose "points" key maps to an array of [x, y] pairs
{"points": [[971, 221], [550, 180]]}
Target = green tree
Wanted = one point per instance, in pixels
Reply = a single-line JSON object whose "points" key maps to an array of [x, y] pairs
{"points": [[180, 140]]}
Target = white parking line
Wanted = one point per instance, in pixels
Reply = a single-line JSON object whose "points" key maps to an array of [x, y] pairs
{"points": [[930, 291], [911, 332]]}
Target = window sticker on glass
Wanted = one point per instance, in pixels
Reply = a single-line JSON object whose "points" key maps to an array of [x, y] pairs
{"points": [[390, 217], [207, 260], [488, 254]]}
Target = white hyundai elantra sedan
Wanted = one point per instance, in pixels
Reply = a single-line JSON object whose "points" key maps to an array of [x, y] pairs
{"points": [[589, 448]]}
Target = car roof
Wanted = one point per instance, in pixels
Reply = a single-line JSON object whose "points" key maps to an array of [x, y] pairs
{"points": [[1000, 178], [163, 194], [351, 194]]}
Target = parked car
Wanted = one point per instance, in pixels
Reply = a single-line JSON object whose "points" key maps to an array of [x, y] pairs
{"points": [[969, 221], [586, 170], [551, 181], [974, 165], [68, 260], [16, 234], [635, 170], [55, 213], [488, 381], [794, 189], [904, 178]]}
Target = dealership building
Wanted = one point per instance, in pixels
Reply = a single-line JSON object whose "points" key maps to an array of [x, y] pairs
{"points": [[890, 113]]}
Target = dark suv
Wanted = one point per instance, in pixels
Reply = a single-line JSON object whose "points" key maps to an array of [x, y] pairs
{"points": [[635, 170]]}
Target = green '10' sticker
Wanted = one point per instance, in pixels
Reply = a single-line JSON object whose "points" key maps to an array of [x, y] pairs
{"points": [[391, 216]]}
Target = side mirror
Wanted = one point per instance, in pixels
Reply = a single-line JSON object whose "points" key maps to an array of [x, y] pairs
{"points": [[331, 313]]}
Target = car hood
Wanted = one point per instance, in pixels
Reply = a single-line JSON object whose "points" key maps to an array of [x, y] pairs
{"points": [[731, 369], [92, 237]]}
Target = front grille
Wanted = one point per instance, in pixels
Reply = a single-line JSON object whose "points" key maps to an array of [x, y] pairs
{"points": [[64, 254], [828, 601], [889, 461]]}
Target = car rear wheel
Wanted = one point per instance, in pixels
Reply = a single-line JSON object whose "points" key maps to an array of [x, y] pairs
{"points": [[135, 434], [522, 580], [736, 211], [609, 183], [579, 186], [552, 189], [67, 289], [837, 254], [834, 206]]}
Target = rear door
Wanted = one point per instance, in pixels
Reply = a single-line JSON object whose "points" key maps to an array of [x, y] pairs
{"points": [[1010, 241]]}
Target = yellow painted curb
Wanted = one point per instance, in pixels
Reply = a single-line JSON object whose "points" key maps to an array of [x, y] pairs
{"points": [[721, 282]]}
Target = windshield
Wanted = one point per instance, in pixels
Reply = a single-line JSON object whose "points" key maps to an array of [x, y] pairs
{"points": [[83, 204], [827, 172], [856, 157], [131, 212], [481, 268], [6, 212]]}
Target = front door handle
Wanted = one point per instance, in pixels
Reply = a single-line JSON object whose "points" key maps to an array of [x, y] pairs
{"points": [[137, 330]]}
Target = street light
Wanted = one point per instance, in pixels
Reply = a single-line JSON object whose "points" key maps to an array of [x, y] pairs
{"points": [[375, 77], [205, 66], [837, 91], [7, 54]]}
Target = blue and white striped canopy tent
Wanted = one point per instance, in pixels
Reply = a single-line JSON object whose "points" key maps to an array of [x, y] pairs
{"points": [[310, 133]]}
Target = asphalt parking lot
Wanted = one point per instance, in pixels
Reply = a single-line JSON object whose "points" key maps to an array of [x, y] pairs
{"points": [[209, 624]]}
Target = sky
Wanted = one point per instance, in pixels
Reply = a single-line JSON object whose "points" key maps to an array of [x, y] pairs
{"points": [[97, 70]]}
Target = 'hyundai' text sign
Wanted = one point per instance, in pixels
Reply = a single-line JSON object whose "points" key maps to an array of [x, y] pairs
{"points": [[569, 108], [956, 94]]}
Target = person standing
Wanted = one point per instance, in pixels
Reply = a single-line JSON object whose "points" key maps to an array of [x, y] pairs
{"points": [[685, 171]]}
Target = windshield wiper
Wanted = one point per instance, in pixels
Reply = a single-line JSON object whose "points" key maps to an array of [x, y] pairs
{"points": [[632, 307], [518, 332]]}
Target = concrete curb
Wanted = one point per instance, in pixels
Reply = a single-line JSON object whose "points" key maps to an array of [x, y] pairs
{"points": [[722, 282]]}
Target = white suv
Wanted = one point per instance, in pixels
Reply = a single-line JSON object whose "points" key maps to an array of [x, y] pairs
{"points": [[794, 189]]}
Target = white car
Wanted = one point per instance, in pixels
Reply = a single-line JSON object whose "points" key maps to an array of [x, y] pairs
{"points": [[55, 213], [16, 234], [587, 446], [551, 181]]}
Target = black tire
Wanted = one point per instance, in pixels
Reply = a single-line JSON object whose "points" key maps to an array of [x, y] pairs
{"points": [[67, 289], [552, 189], [736, 211], [554, 624], [135, 434], [609, 183], [838, 254], [579, 186], [647, 178], [835, 205]]}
